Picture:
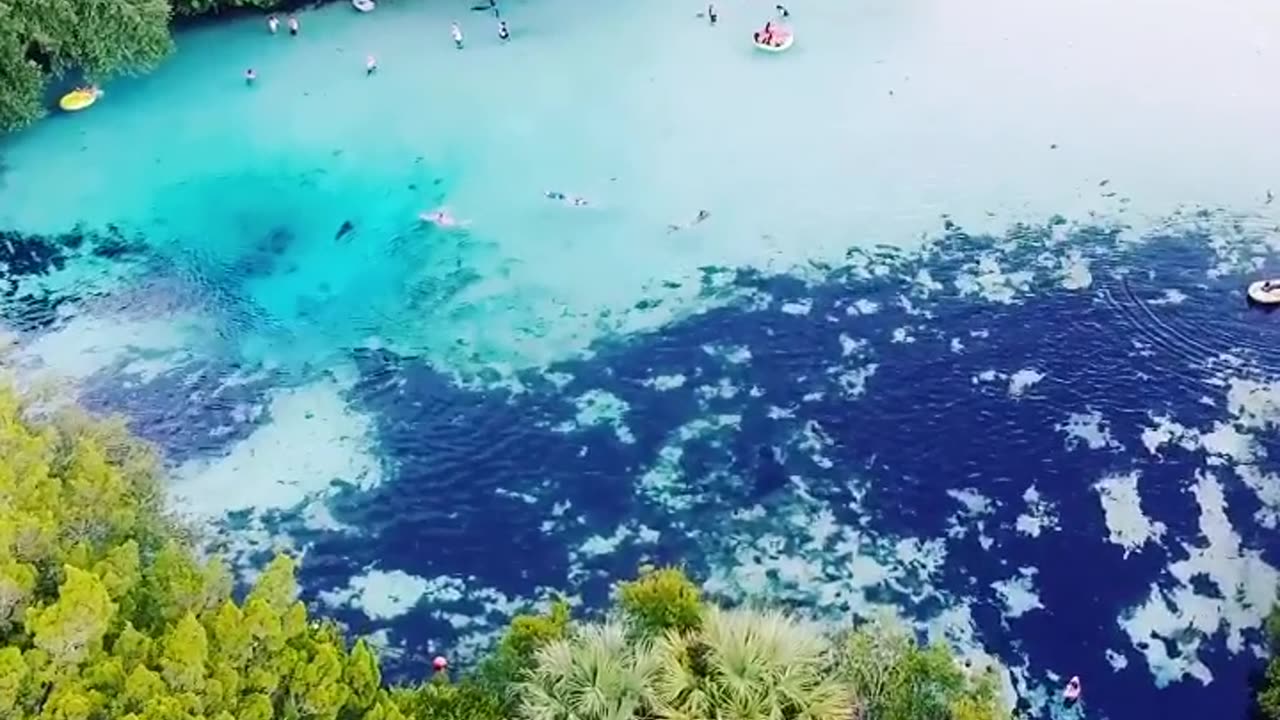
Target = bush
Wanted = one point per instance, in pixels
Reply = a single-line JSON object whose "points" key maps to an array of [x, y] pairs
{"points": [[892, 677], [661, 600], [750, 665]]}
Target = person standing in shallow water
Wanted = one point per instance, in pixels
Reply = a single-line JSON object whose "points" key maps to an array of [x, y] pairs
{"points": [[503, 34], [370, 65], [273, 24], [711, 13], [250, 76], [456, 32], [293, 25]]}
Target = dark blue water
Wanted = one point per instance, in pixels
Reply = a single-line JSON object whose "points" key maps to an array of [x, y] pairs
{"points": [[926, 424]]}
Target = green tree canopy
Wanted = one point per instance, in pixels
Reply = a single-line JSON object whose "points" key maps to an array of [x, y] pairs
{"points": [[41, 39]]}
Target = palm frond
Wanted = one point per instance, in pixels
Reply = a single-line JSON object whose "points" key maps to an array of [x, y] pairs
{"points": [[594, 675], [747, 665]]}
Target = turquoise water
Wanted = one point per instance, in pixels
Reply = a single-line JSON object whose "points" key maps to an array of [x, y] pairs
{"points": [[617, 392], [997, 112]]}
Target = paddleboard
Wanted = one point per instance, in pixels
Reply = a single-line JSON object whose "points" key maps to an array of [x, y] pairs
{"points": [[77, 100]]}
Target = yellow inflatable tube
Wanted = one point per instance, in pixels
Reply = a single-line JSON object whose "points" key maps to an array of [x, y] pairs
{"points": [[78, 100]]}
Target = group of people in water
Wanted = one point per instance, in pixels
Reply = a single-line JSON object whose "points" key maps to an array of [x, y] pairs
{"points": [[273, 27], [773, 34], [371, 62], [442, 218]]}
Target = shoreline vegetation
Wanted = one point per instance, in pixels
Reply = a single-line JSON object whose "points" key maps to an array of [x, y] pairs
{"points": [[43, 42], [109, 611]]}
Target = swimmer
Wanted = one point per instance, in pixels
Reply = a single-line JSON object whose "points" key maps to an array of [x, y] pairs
{"points": [[702, 215], [783, 11], [456, 32], [503, 33], [711, 13], [574, 200], [293, 25], [273, 24], [370, 65], [441, 218], [250, 76]]}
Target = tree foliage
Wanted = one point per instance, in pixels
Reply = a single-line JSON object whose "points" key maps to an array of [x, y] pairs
{"points": [[1268, 687], [892, 677], [661, 600], [211, 7], [750, 665], [41, 40], [105, 612]]}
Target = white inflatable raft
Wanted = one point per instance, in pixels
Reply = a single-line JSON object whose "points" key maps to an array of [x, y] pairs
{"points": [[363, 5], [1265, 292], [787, 42]]}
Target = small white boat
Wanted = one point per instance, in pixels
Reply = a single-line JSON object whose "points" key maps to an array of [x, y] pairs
{"points": [[1265, 292], [363, 5]]}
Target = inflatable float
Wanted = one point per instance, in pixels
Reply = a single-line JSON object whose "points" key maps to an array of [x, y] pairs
{"points": [[363, 5], [787, 41], [78, 99], [1265, 292], [1071, 692]]}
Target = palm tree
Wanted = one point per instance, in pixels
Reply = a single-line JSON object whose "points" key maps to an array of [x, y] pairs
{"points": [[747, 665], [597, 674]]}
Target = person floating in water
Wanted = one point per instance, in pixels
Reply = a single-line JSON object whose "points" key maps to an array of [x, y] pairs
{"points": [[711, 13], [765, 36], [574, 200], [503, 33], [293, 25], [273, 24], [456, 32], [783, 12], [1071, 693], [702, 215], [441, 218], [250, 76], [370, 65], [772, 35]]}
